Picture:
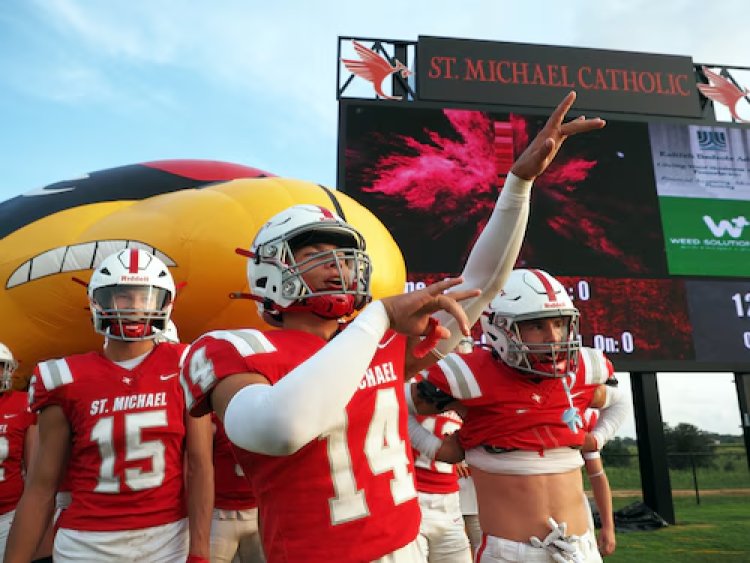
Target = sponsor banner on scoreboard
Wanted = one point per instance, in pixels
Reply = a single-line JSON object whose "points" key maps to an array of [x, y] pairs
{"points": [[700, 161], [460, 70], [706, 237]]}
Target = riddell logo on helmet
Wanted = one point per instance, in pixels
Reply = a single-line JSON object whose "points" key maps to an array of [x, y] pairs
{"points": [[126, 278], [553, 305]]}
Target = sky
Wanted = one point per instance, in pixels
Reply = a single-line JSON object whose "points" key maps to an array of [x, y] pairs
{"points": [[87, 85]]}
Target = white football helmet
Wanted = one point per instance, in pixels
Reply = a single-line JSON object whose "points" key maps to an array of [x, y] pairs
{"points": [[8, 365], [277, 281], [529, 295], [131, 295]]}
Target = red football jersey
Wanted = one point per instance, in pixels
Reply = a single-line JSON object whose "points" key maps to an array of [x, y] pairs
{"points": [[15, 419], [348, 496], [232, 490], [437, 476], [509, 409], [125, 469]]}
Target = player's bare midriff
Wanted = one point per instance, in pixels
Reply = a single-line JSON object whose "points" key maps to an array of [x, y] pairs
{"points": [[516, 507]]}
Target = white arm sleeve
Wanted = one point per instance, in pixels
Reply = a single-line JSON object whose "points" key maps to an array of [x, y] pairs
{"points": [[493, 256], [424, 441], [280, 419], [611, 416]]}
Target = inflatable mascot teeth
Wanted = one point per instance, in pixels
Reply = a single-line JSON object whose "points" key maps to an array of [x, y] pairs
{"points": [[192, 213]]}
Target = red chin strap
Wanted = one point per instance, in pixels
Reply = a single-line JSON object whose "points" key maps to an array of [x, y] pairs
{"points": [[548, 365], [134, 330], [326, 306]]}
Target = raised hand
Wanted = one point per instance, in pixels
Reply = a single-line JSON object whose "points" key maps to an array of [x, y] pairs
{"points": [[540, 152], [409, 313]]}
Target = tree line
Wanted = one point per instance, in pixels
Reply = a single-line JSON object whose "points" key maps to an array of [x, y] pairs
{"points": [[686, 444]]}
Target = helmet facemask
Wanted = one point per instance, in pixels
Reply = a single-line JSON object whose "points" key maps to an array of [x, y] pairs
{"points": [[8, 365], [528, 296], [352, 266], [130, 295], [278, 278], [131, 312], [548, 359]]}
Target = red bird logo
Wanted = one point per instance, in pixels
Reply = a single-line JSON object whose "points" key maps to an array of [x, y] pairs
{"points": [[723, 91], [374, 68]]}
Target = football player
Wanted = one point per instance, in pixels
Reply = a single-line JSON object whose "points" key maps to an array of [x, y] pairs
{"points": [[316, 410], [523, 430], [115, 423], [442, 535], [234, 525], [18, 442]]}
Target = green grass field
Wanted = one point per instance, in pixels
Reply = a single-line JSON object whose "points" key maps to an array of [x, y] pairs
{"points": [[629, 478], [716, 530], [726, 470]]}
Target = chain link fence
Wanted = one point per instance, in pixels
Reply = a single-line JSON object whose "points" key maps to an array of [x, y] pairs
{"points": [[696, 473]]}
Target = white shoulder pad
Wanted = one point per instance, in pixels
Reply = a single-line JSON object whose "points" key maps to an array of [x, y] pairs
{"points": [[460, 378], [594, 366], [55, 373], [247, 341]]}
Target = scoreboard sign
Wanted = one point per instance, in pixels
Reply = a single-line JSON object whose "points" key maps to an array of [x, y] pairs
{"points": [[646, 223], [489, 72]]}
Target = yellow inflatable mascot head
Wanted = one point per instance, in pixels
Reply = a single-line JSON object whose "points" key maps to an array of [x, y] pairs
{"points": [[193, 214]]}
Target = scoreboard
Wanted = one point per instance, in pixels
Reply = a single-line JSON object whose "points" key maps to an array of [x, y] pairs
{"points": [[646, 222]]}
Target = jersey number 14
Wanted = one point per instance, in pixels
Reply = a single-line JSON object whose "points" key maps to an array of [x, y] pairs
{"points": [[384, 450]]}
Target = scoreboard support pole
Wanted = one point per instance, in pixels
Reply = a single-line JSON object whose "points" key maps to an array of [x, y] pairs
{"points": [[742, 381], [400, 52], [652, 451]]}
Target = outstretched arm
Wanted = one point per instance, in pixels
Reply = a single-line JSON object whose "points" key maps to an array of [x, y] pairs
{"points": [[495, 252], [307, 402]]}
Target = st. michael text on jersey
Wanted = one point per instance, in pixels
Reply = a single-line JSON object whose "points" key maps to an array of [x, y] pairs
{"points": [[129, 402], [378, 374]]}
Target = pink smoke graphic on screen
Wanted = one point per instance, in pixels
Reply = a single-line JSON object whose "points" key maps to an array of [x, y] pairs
{"points": [[456, 179], [460, 175]]}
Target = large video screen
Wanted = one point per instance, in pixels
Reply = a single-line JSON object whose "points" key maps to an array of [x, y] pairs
{"points": [[645, 223]]}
